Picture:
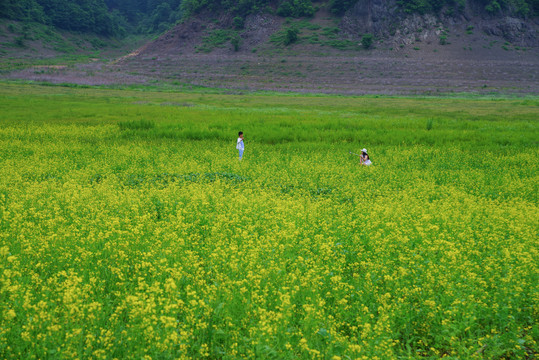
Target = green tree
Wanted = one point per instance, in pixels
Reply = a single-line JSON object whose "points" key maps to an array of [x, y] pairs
{"points": [[26, 10], [296, 8]]}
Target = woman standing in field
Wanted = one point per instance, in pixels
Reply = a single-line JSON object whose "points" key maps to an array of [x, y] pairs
{"points": [[364, 158], [239, 144]]}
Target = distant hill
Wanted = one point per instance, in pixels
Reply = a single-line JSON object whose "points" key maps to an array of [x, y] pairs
{"points": [[120, 17], [373, 46], [363, 25], [351, 47]]}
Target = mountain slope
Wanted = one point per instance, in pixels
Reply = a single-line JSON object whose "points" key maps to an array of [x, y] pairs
{"points": [[213, 32], [411, 53]]}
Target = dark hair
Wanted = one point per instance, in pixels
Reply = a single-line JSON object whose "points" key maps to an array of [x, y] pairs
{"points": [[240, 133], [368, 157]]}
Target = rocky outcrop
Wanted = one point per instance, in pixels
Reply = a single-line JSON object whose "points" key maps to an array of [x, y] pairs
{"points": [[372, 16], [517, 31], [384, 19]]}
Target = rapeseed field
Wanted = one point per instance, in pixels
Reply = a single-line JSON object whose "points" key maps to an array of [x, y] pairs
{"points": [[130, 230]]}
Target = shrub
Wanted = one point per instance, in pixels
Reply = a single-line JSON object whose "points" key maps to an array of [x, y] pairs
{"points": [[493, 7], [238, 22], [235, 41], [19, 41], [330, 32], [366, 41], [291, 36], [443, 40], [338, 7], [296, 8]]}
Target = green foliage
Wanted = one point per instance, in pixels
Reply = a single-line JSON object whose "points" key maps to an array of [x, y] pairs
{"points": [[120, 17], [366, 41], [338, 7], [235, 41], [344, 44], [291, 36], [102, 17], [141, 124], [238, 22], [443, 40], [330, 32], [82, 15], [236, 7], [520, 7], [424, 6], [286, 36], [311, 34], [296, 8], [493, 7], [219, 38], [27, 10], [19, 42]]}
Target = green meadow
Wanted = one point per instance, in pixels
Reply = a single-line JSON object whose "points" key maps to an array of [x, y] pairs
{"points": [[130, 229]]}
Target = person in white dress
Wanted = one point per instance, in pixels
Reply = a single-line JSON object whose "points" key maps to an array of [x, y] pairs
{"points": [[239, 144]]}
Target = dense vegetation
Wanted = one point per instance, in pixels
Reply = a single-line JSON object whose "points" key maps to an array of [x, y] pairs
{"points": [[117, 17], [299, 8], [130, 230], [103, 17], [521, 7]]}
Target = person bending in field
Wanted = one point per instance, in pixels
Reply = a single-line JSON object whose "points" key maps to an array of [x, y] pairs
{"points": [[364, 158], [239, 144]]}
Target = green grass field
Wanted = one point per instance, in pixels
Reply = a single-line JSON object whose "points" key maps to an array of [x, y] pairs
{"points": [[129, 229]]}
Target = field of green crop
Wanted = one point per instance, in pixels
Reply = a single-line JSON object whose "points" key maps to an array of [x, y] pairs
{"points": [[129, 229]]}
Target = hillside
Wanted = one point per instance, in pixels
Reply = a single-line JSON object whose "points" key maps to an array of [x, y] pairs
{"points": [[443, 52], [411, 53]]}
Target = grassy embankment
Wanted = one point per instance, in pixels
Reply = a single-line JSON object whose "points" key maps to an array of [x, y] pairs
{"points": [[24, 45], [129, 228]]}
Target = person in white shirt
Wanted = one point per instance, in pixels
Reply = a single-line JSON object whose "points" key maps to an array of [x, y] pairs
{"points": [[364, 158], [239, 144]]}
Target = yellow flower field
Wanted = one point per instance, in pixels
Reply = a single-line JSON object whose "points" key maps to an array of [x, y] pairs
{"points": [[129, 229]]}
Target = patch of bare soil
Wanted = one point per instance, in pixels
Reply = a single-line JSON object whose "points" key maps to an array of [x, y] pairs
{"points": [[375, 73], [360, 74]]}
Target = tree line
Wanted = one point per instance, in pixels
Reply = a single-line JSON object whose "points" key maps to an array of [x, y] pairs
{"points": [[493, 7], [102, 17], [301, 8], [120, 17]]}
